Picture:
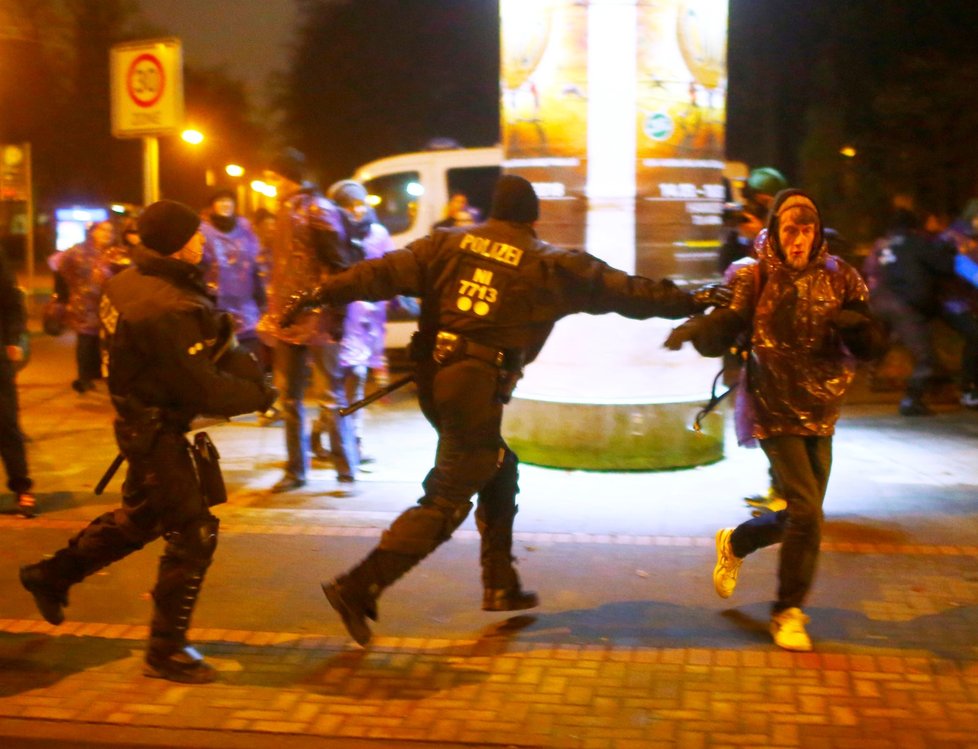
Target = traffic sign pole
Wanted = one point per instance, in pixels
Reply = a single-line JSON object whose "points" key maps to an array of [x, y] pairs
{"points": [[147, 99], [151, 170]]}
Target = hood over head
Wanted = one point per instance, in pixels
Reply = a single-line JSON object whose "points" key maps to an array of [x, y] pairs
{"points": [[785, 201]]}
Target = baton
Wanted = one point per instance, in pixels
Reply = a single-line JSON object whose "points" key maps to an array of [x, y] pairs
{"points": [[377, 394], [109, 473]]}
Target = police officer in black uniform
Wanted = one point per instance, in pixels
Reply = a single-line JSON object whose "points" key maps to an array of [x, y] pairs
{"points": [[171, 357], [490, 294]]}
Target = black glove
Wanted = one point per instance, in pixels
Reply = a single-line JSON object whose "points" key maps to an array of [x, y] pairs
{"points": [[679, 336], [847, 319], [298, 303], [712, 295]]}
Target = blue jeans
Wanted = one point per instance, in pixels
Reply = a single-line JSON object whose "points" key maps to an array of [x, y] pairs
{"points": [[345, 386], [292, 361], [801, 466]]}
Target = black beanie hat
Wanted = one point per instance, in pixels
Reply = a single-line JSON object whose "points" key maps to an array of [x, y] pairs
{"points": [[514, 200], [166, 226]]}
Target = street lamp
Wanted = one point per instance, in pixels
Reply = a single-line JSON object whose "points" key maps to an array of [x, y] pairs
{"points": [[194, 137]]}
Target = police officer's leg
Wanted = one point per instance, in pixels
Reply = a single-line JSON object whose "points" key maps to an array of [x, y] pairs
{"points": [[914, 332], [494, 517], [108, 538], [190, 532], [185, 559], [466, 415], [960, 317], [291, 360]]}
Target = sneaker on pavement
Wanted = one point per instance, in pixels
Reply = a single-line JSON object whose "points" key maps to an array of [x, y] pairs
{"points": [[727, 566], [969, 399], [914, 407], [788, 630], [26, 504]]}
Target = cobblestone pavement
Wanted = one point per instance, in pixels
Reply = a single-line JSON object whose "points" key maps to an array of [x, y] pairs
{"points": [[630, 647]]}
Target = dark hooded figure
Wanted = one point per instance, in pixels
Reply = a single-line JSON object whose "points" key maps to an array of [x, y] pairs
{"points": [[807, 317], [491, 294]]}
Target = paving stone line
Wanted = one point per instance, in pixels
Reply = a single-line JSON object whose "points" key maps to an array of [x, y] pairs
{"points": [[292, 529]]}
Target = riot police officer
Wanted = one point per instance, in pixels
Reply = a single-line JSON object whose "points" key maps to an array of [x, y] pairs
{"points": [[490, 294], [171, 357]]}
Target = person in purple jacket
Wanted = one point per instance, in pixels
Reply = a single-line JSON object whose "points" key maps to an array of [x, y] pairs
{"points": [[364, 326], [231, 267]]}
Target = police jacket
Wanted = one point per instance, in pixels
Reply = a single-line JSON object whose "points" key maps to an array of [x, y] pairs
{"points": [[912, 266], [805, 327], [162, 337], [497, 284]]}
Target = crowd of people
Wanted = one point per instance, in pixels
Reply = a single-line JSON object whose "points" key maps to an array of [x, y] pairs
{"points": [[210, 313]]}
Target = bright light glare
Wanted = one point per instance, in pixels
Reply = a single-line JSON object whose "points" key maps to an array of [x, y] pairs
{"points": [[118, 208], [414, 189], [373, 200], [234, 170], [194, 137], [848, 151], [264, 188]]}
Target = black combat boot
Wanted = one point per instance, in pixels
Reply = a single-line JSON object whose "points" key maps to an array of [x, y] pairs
{"points": [[354, 595], [494, 518], [99, 544], [50, 598], [502, 590], [181, 573]]}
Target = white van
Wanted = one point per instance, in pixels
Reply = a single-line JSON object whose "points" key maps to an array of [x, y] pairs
{"points": [[409, 192]]}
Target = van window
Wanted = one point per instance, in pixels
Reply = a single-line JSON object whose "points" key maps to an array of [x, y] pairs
{"points": [[477, 182], [396, 197]]}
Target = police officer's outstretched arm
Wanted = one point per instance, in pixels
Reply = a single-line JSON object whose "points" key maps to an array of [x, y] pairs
{"points": [[715, 333], [603, 289], [393, 274], [195, 380]]}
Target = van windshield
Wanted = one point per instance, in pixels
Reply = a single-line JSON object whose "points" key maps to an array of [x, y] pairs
{"points": [[395, 199]]}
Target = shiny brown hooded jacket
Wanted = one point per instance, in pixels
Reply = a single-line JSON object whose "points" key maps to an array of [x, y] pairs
{"points": [[806, 329]]}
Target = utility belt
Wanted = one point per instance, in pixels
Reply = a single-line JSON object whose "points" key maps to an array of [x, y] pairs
{"points": [[451, 347], [137, 429]]}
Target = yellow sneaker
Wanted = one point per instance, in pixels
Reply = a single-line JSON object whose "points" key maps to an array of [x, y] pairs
{"points": [[788, 630], [727, 567]]}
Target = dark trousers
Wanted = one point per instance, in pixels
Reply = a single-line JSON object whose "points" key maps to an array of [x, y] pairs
{"points": [[912, 329], [12, 449], [88, 357], [802, 466], [160, 497], [460, 400]]}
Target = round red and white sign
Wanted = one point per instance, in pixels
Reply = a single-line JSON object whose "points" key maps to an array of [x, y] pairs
{"points": [[145, 80]]}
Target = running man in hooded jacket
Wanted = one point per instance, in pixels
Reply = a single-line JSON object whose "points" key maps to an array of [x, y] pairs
{"points": [[807, 316]]}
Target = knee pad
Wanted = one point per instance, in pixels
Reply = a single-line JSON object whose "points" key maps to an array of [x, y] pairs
{"points": [[422, 529], [195, 542]]}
